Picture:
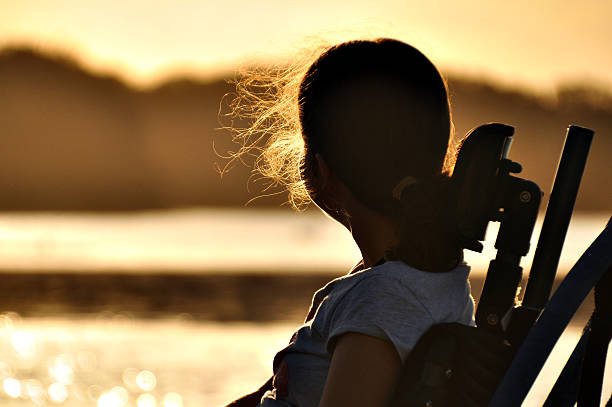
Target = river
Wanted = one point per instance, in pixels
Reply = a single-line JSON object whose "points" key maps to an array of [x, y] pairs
{"points": [[116, 360]]}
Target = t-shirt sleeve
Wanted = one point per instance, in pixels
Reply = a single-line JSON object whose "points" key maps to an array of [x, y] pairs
{"points": [[383, 307]]}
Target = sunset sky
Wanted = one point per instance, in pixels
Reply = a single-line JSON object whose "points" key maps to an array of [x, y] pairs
{"points": [[523, 43]]}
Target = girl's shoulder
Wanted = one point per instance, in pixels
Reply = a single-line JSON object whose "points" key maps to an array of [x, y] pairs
{"points": [[396, 302], [399, 274], [397, 279], [395, 284]]}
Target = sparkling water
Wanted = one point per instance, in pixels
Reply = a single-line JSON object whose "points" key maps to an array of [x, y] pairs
{"points": [[114, 361]]}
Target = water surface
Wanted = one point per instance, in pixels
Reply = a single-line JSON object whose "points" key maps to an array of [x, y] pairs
{"points": [[112, 361], [202, 240]]}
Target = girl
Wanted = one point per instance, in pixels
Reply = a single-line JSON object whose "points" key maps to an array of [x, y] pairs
{"points": [[374, 155]]}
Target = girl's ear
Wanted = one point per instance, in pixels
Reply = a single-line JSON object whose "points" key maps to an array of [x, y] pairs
{"points": [[328, 192], [325, 187]]}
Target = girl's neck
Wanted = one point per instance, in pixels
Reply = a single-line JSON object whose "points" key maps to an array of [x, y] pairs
{"points": [[373, 233]]}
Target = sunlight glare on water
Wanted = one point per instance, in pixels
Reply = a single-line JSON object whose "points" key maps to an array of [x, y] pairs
{"points": [[146, 400], [25, 344], [173, 400], [116, 397], [102, 362], [62, 369], [12, 387], [35, 392], [58, 393], [115, 360], [182, 363], [196, 240], [202, 240], [146, 380], [80, 363]]}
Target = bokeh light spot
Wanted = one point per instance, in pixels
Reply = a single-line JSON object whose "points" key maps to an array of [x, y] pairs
{"points": [[172, 400], [58, 393], [12, 387], [35, 391], [146, 400], [62, 369], [121, 394], [146, 380], [24, 343], [108, 400], [129, 379], [116, 397]]}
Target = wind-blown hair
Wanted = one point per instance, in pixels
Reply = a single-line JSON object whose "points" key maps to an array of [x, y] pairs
{"points": [[378, 112], [267, 99]]}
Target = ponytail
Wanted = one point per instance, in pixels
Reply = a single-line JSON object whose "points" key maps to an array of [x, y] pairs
{"points": [[426, 225]]}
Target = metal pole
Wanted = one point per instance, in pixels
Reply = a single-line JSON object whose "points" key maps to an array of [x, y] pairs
{"points": [[557, 218], [532, 354]]}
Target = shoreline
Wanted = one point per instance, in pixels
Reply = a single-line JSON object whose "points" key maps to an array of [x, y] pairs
{"points": [[221, 297]]}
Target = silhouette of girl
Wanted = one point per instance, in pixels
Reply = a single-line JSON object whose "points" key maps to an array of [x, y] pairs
{"points": [[371, 149]]}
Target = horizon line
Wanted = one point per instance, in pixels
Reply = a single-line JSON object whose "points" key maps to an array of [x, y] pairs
{"points": [[192, 72]]}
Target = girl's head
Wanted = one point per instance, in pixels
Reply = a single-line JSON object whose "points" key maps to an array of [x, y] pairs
{"points": [[377, 112]]}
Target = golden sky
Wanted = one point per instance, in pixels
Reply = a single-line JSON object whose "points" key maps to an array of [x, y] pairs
{"points": [[521, 43]]}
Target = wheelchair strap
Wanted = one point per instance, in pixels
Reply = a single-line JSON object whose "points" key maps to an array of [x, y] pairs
{"points": [[565, 391], [542, 337], [594, 363]]}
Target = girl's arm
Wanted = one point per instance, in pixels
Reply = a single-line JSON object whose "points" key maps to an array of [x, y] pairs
{"points": [[364, 371]]}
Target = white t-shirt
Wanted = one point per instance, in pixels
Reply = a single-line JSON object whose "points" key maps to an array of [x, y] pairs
{"points": [[392, 301]]}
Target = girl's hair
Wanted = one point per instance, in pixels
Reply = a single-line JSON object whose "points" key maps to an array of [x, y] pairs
{"points": [[378, 112]]}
